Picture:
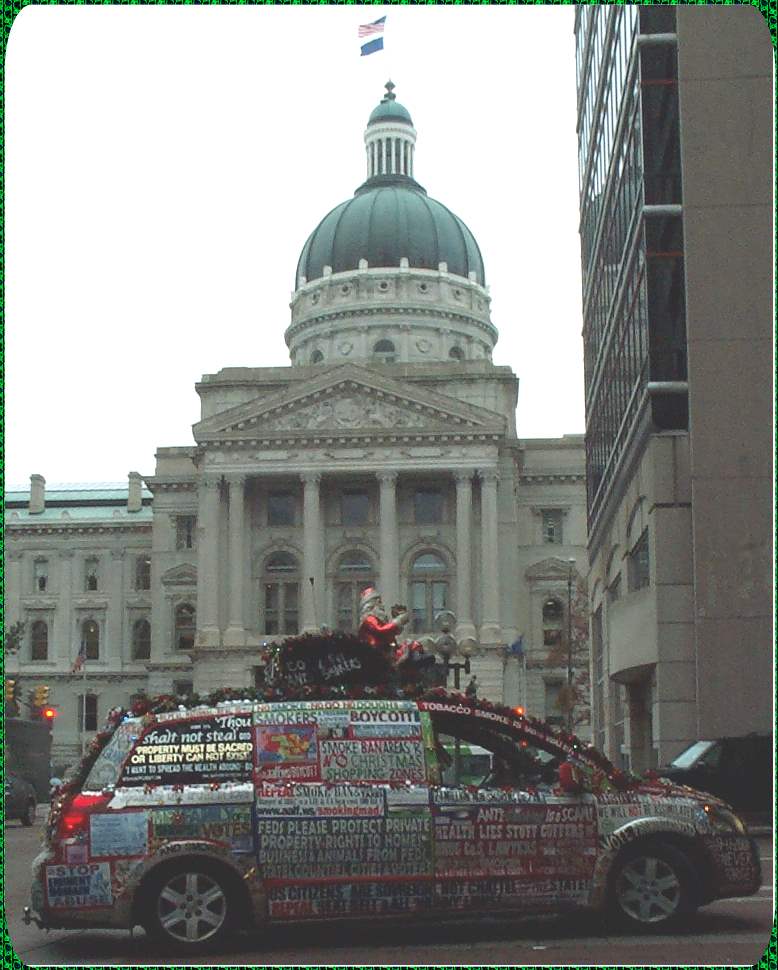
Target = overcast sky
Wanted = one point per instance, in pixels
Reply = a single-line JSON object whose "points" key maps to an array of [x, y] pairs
{"points": [[165, 166]]}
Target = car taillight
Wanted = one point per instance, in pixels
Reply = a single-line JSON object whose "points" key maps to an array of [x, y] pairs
{"points": [[75, 817]]}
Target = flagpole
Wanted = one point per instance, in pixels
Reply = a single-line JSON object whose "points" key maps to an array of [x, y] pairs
{"points": [[83, 699]]}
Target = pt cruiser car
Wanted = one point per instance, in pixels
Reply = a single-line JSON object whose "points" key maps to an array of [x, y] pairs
{"points": [[195, 823]]}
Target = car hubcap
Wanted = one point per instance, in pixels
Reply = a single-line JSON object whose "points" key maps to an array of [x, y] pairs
{"points": [[192, 907], [648, 890]]}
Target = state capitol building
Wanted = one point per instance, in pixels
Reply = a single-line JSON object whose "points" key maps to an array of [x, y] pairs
{"points": [[386, 454]]}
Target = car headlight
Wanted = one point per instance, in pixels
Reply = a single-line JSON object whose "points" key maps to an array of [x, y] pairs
{"points": [[722, 820]]}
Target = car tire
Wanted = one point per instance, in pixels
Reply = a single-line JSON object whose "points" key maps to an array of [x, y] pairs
{"points": [[652, 888], [189, 907], [28, 815]]}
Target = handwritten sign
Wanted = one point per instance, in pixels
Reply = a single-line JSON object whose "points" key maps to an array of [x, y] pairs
{"points": [[320, 800], [377, 759], [230, 824], [124, 834], [79, 886], [330, 847], [317, 900]]}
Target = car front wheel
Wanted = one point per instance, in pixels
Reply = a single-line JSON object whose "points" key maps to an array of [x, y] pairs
{"points": [[28, 815], [190, 907], [652, 888]]}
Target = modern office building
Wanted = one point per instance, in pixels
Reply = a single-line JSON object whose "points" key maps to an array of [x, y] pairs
{"points": [[386, 454], [675, 124]]}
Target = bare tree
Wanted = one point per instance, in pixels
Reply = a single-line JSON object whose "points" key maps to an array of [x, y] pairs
{"points": [[13, 636], [577, 697]]}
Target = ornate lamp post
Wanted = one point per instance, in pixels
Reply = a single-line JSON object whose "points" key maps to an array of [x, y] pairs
{"points": [[446, 644]]}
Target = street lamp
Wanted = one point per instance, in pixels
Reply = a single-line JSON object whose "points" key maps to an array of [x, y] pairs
{"points": [[446, 644], [570, 568]]}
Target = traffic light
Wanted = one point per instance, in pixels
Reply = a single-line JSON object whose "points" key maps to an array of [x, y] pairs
{"points": [[40, 696], [11, 691], [48, 714]]}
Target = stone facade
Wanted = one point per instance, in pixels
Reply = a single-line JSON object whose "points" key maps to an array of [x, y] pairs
{"points": [[386, 454]]}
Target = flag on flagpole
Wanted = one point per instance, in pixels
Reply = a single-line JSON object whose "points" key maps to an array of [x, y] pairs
{"points": [[374, 31], [516, 649], [80, 660]]}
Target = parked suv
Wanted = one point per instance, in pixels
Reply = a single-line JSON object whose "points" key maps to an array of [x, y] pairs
{"points": [[738, 770], [194, 823], [20, 801]]}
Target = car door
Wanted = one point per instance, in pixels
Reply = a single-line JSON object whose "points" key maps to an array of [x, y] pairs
{"points": [[512, 846], [342, 813]]}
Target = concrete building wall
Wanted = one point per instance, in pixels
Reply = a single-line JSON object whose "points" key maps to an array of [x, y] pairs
{"points": [[725, 66]]}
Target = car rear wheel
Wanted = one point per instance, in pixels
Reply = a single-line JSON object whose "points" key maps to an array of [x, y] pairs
{"points": [[190, 907], [28, 815], [652, 887]]}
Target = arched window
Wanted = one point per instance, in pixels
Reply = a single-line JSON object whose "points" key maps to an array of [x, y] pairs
{"points": [[90, 634], [143, 572], [553, 621], [428, 590], [317, 357], [355, 571], [384, 352], [40, 641], [185, 625], [282, 594], [141, 640], [456, 353]]}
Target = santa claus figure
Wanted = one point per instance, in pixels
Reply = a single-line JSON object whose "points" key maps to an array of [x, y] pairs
{"points": [[375, 627], [380, 631]]}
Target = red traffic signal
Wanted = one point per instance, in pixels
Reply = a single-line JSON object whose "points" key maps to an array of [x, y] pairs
{"points": [[49, 713]]}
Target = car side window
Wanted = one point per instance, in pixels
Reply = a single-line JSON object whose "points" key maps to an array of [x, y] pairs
{"points": [[472, 755], [191, 751]]}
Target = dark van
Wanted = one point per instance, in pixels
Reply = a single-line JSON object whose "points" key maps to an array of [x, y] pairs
{"points": [[738, 770]]}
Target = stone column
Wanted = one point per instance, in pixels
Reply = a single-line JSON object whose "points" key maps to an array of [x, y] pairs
{"points": [[464, 604], [208, 634], [64, 633], [490, 573], [312, 593], [389, 538], [114, 621], [235, 634]]}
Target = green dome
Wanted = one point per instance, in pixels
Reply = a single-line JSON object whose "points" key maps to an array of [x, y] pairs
{"points": [[389, 111], [390, 217]]}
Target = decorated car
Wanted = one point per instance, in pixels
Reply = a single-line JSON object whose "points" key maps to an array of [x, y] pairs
{"points": [[333, 792]]}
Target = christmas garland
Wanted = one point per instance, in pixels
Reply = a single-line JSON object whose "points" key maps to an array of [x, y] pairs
{"points": [[279, 689]]}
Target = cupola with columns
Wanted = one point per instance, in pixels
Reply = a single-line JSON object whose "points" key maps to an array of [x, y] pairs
{"points": [[391, 275]]}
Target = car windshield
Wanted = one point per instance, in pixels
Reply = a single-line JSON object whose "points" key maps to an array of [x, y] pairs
{"points": [[687, 758]]}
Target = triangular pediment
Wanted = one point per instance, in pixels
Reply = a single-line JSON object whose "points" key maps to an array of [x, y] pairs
{"points": [[183, 575], [551, 568], [349, 400]]}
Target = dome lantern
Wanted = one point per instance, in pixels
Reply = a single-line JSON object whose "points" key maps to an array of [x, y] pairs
{"points": [[390, 138]]}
